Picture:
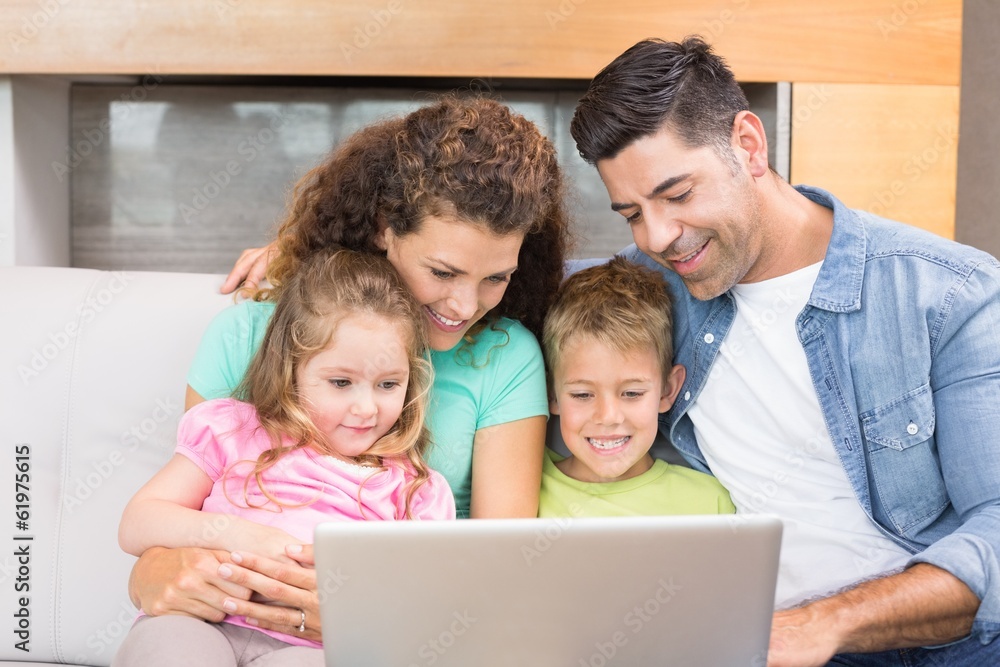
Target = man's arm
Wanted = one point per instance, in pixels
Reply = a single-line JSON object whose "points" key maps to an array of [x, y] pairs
{"points": [[921, 606]]}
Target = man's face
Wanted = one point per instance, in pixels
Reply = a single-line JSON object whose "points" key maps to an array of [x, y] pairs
{"points": [[690, 209]]}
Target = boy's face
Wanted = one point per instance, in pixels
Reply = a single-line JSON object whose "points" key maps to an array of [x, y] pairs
{"points": [[608, 404]]}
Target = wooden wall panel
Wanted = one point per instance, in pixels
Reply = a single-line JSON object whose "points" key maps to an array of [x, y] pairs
{"points": [[898, 41], [887, 149]]}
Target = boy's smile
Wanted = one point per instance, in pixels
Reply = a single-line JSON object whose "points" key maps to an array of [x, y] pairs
{"points": [[608, 404]]}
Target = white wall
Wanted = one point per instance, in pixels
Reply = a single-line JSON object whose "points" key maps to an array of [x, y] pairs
{"points": [[34, 198]]}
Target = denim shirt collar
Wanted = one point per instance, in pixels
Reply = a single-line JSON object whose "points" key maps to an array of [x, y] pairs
{"points": [[838, 286]]}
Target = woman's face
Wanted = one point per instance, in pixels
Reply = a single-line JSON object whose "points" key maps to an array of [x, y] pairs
{"points": [[458, 271]]}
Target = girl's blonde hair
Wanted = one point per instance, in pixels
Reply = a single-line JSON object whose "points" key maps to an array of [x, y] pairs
{"points": [[327, 288]]}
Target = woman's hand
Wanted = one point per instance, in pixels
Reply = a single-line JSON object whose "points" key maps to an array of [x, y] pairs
{"points": [[293, 587], [250, 268], [183, 581]]}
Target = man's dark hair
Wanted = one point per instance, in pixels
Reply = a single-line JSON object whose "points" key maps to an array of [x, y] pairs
{"points": [[655, 84]]}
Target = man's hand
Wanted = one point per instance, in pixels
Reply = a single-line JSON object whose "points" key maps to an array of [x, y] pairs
{"points": [[183, 581], [250, 268]]}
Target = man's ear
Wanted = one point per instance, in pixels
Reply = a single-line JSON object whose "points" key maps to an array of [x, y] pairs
{"points": [[672, 387], [750, 139]]}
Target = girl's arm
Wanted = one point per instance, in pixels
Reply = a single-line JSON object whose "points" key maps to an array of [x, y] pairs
{"points": [[166, 512], [507, 469]]}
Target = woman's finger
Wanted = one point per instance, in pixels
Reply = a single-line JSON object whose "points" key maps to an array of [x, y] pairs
{"points": [[299, 576], [277, 617]]}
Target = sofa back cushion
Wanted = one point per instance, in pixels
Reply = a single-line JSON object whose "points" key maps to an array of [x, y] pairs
{"points": [[92, 385]]}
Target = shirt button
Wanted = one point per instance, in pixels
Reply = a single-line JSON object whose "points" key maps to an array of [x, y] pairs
{"points": [[912, 429], [687, 395], [709, 338]]}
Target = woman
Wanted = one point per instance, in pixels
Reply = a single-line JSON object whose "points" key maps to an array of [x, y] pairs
{"points": [[465, 199]]}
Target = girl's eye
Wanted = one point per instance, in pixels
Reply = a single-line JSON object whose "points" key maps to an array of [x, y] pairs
{"points": [[340, 382], [389, 384], [443, 275]]}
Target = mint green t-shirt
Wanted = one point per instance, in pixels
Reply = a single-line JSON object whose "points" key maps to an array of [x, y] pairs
{"points": [[498, 379], [662, 490]]}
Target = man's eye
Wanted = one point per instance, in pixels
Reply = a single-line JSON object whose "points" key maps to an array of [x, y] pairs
{"points": [[631, 219], [679, 198]]}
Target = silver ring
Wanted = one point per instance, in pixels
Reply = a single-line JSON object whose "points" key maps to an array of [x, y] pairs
{"points": [[302, 625]]}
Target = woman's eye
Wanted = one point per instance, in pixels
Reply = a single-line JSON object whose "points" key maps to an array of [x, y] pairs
{"points": [[498, 280], [443, 275]]}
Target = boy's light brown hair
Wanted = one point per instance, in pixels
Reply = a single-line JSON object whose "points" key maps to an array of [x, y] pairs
{"points": [[619, 304]]}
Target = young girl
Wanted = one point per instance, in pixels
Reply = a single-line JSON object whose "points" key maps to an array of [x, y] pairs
{"points": [[330, 427]]}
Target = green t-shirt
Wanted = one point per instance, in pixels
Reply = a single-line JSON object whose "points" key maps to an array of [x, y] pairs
{"points": [[498, 379], [662, 490]]}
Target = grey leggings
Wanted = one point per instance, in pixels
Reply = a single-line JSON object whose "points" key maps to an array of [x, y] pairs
{"points": [[168, 641]]}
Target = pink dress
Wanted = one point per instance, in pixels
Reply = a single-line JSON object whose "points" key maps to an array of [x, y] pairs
{"points": [[223, 437]]}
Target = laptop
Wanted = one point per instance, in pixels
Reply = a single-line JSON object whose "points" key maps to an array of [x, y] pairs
{"points": [[583, 592]]}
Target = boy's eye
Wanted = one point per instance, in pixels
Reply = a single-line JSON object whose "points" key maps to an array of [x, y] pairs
{"points": [[580, 396], [633, 394], [340, 382]]}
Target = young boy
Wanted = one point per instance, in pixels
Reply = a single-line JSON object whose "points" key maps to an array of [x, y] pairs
{"points": [[609, 354]]}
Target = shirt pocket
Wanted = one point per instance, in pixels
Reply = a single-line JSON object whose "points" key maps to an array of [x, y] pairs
{"points": [[904, 468]]}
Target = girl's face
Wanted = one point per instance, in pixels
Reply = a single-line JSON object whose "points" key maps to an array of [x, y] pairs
{"points": [[458, 271], [354, 389]]}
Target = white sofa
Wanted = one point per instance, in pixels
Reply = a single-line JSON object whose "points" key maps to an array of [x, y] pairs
{"points": [[91, 387]]}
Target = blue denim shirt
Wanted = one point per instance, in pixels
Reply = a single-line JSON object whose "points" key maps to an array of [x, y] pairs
{"points": [[902, 337]]}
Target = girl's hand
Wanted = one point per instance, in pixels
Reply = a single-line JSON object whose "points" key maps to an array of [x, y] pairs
{"points": [[183, 581], [250, 268], [291, 586], [244, 536]]}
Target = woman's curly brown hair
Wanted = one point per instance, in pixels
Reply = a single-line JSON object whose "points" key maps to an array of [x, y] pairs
{"points": [[473, 159]]}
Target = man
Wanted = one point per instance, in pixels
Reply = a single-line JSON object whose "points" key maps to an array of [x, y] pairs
{"points": [[841, 368]]}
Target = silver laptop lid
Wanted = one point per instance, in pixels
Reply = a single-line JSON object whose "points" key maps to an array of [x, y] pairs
{"points": [[690, 590]]}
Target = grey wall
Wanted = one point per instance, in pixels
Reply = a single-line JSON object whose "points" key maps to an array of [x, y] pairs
{"points": [[977, 220], [183, 177]]}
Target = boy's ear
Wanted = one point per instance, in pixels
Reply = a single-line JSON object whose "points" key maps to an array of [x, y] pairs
{"points": [[553, 406], [672, 387]]}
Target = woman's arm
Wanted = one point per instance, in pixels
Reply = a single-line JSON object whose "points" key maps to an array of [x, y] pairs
{"points": [[166, 512], [507, 469], [192, 398]]}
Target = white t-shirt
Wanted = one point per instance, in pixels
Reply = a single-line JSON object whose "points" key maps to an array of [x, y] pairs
{"points": [[759, 424]]}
